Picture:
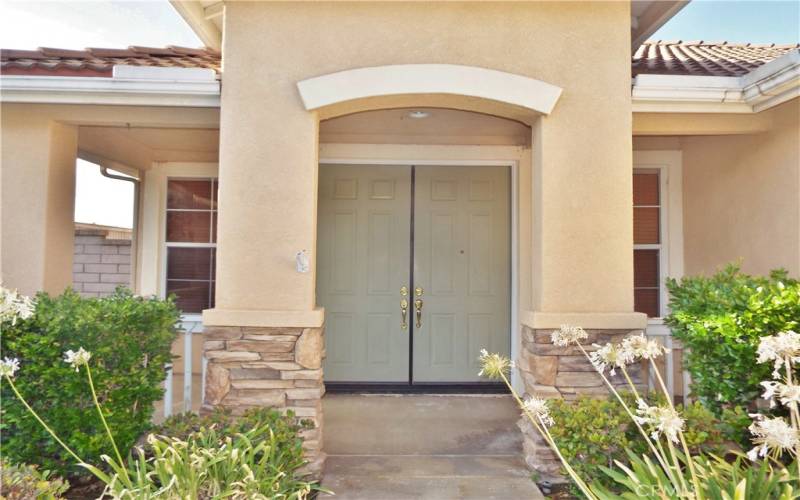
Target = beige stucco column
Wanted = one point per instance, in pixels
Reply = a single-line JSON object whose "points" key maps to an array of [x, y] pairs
{"points": [[38, 201]]}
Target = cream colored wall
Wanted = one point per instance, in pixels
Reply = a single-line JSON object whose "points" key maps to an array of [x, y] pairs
{"points": [[742, 197], [268, 157], [37, 177]]}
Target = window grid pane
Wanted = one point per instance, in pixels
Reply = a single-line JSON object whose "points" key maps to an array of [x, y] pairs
{"points": [[191, 218], [647, 231]]}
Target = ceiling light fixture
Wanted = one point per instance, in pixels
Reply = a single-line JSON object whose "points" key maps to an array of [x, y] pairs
{"points": [[418, 114]]}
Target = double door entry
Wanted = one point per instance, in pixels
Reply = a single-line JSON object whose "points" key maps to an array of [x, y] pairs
{"points": [[413, 270]]}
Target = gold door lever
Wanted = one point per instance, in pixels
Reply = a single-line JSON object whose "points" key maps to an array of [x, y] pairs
{"points": [[418, 311], [404, 314]]}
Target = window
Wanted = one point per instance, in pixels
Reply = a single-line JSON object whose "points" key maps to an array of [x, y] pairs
{"points": [[647, 242], [191, 235]]}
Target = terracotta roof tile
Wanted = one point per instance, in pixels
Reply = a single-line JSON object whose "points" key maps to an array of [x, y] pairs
{"points": [[98, 62], [702, 58]]}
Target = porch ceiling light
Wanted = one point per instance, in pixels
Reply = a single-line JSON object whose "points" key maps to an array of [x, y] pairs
{"points": [[418, 114]]}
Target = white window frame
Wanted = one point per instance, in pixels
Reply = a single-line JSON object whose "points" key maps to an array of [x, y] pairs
{"points": [[662, 246], [166, 245], [669, 166], [151, 249]]}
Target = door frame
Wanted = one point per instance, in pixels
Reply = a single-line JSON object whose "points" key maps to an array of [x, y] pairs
{"points": [[513, 165]]}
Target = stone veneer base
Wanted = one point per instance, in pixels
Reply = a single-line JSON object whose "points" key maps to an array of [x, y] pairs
{"points": [[281, 368], [549, 371]]}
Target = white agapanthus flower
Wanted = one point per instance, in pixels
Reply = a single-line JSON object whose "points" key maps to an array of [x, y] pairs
{"points": [[8, 367], [779, 348], [77, 358], [786, 393], [640, 347], [661, 419], [538, 408], [14, 306], [567, 335], [772, 436], [494, 365], [610, 355]]}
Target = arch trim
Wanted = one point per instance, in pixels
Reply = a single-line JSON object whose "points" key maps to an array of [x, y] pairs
{"points": [[404, 79]]}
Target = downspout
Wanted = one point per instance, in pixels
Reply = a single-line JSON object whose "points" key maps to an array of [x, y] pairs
{"points": [[135, 230]]}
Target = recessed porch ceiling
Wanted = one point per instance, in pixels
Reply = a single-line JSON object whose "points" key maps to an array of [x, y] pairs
{"points": [[139, 147], [441, 126]]}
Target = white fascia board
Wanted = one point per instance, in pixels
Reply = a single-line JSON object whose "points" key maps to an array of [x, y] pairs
{"points": [[773, 83], [767, 86], [145, 86]]}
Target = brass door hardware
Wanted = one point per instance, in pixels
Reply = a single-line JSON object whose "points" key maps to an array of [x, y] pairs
{"points": [[418, 291], [404, 314], [418, 311]]}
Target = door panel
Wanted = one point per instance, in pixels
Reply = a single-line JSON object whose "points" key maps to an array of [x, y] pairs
{"points": [[462, 261], [363, 260]]}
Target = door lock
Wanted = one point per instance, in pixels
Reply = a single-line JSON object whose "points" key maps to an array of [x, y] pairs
{"points": [[418, 311], [418, 291]]}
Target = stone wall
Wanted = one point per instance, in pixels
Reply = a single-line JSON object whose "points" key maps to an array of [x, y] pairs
{"points": [[252, 367], [101, 260], [550, 371]]}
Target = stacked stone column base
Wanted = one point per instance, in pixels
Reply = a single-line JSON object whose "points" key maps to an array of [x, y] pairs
{"points": [[281, 368], [550, 371]]}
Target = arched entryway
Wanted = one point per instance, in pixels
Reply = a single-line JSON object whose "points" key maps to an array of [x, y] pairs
{"points": [[468, 134]]}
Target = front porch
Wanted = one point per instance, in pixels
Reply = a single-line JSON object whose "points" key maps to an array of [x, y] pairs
{"points": [[249, 364]]}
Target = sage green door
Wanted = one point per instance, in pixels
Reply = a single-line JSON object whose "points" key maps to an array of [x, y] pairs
{"points": [[443, 234], [462, 265], [362, 261]]}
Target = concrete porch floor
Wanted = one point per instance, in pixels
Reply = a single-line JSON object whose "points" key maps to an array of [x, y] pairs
{"points": [[436, 447]]}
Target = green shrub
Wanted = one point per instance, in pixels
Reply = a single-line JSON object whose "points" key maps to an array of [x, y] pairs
{"points": [[721, 319], [284, 426], [740, 479], [594, 432], [256, 456], [25, 482], [130, 339]]}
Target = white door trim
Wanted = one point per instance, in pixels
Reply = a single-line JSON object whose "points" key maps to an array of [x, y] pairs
{"points": [[514, 166]]}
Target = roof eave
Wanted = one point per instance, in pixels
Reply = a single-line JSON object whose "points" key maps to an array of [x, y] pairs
{"points": [[766, 87], [194, 14], [130, 85], [652, 19]]}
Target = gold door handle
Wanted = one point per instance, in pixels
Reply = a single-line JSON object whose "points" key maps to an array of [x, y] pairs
{"points": [[404, 314], [418, 311]]}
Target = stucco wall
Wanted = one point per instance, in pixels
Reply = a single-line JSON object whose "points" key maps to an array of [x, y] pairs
{"points": [[37, 180], [742, 197], [269, 141]]}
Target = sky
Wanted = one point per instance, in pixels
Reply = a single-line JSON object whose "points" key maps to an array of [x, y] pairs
{"points": [[115, 23], [81, 24], [100, 200], [761, 21]]}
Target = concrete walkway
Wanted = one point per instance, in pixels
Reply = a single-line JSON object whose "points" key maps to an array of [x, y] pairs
{"points": [[437, 447]]}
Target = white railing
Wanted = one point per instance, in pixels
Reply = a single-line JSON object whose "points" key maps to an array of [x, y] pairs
{"points": [[676, 378], [188, 349]]}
